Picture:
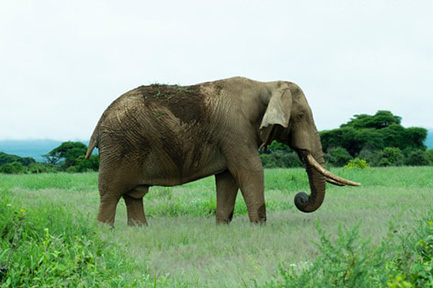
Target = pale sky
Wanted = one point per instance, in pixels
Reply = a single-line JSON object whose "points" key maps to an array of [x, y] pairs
{"points": [[63, 62]]}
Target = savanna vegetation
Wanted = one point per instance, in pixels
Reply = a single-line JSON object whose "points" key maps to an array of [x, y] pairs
{"points": [[69, 157], [376, 235], [378, 139]]}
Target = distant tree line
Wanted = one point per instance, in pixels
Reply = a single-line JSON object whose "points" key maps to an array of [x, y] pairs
{"points": [[366, 140], [379, 140], [69, 157]]}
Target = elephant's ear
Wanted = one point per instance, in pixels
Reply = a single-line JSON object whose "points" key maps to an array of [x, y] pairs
{"points": [[277, 113]]}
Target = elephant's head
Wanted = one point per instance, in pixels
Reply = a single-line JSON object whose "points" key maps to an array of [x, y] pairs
{"points": [[288, 119]]}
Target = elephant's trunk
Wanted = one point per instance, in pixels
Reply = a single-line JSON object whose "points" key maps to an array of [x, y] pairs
{"points": [[317, 181], [318, 176]]}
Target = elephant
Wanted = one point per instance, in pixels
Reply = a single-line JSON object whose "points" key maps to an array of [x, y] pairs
{"points": [[167, 135]]}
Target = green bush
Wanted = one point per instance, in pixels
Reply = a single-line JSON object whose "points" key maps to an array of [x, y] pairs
{"points": [[13, 168], [36, 168], [280, 159], [417, 158], [337, 156], [429, 155], [347, 261], [357, 163], [351, 261], [87, 165], [391, 156], [371, 156], [413, 263], [49, 248]]}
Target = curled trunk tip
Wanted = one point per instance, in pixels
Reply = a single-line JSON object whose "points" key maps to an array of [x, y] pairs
{"points": [[317, 175], [302, 203]]}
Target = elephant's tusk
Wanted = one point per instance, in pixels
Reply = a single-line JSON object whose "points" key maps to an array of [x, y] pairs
{"points": [[331, 178], [333, 182]]}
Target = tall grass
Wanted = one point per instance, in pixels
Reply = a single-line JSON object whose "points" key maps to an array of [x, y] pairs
{"points": [[183, 247]]}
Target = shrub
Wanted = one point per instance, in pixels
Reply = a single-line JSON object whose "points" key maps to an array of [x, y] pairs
{"points": [[347, 261], [357, 163], [391, 156], [351, 261], [36, 168], [337, 156], [13, 168], [413, 263], [429, 155], [280, 159], [371, 156], [86, 165], [38, 249], [417, 158]]}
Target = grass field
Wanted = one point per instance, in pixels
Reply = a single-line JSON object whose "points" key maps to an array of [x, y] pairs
{"points": [[183, 247]]}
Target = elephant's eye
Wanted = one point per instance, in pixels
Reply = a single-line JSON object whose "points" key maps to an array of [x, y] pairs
{"points": [[300, 116]]}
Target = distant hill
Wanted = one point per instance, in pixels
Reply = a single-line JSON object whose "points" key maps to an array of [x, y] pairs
{"points": [[30, 148]]}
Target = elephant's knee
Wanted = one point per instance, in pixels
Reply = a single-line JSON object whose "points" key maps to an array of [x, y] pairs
{"points": [[138, 192]]}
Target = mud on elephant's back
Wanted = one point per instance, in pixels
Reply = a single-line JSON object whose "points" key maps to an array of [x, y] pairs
{"points": [[185, 102]]}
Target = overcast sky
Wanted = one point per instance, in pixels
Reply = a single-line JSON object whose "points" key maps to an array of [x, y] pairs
{"points": [[63, 62]]}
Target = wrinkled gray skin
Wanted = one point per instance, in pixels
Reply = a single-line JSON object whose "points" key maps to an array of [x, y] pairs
{"points": [[169, 135]]}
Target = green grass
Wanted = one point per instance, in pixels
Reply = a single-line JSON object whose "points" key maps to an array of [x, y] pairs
{"points": [[183, 247]]}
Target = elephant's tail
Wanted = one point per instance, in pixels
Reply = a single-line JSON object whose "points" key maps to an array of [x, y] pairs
{"points": [[93, 143]]}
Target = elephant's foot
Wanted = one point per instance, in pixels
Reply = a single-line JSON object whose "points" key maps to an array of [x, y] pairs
{"points": [[224, 218], [107, 210], [259, 216], [135, 211]]}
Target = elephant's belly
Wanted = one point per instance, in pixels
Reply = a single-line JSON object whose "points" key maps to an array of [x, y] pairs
{"points": [[165, 170]]}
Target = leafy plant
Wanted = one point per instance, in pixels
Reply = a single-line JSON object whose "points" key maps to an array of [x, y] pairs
{"points": [[39, 251], [347, 261], [417, 158], [391, 156], [12, 168], [351, 261], [357, 163], [413, 263], [337, 156]]}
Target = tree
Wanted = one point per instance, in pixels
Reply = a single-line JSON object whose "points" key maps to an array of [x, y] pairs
{"points": [[415, 138], [66, 154], [7, 158], [373, 134], [86, 165], [381, 119]]}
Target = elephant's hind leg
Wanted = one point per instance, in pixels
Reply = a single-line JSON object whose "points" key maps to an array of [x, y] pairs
{"points": [[107, 209], [134, 206], [226, 189]]}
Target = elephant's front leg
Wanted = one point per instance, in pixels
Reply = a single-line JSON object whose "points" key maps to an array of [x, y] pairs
{"points": [[134, 206], [248, 172], [226, 189]]}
